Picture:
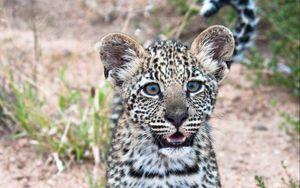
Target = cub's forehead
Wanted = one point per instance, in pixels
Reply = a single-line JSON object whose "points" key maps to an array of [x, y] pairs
{"points": [[171, 60], [167, 49]]}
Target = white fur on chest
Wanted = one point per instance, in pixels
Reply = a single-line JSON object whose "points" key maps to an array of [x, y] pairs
{"points": [[161, 161]]}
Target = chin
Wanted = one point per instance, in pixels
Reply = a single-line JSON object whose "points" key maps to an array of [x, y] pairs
{"points": [[176, 152]]}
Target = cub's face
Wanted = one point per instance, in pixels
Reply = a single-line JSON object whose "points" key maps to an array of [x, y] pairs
{"points": [[171, 96], [168, 89]]}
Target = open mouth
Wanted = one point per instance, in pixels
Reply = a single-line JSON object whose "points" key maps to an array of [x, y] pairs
{"points": [[175, 140]]}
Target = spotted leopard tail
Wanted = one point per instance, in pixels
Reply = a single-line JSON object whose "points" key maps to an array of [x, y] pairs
{"points": [[244, 29]]}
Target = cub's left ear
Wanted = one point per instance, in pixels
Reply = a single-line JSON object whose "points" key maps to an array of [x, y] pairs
{"points": [[121, 56], [212, 48]]}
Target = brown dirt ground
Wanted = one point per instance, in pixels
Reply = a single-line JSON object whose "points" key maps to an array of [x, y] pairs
{"points": [[246, 127]]}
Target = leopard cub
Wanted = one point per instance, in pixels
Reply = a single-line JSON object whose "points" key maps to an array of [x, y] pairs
{"points": [[162, 136]]}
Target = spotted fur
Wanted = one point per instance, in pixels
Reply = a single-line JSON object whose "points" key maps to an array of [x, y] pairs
{"points": [[141, 155]]}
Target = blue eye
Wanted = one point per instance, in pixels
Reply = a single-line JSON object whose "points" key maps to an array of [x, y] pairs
{"points": [[194, 86], [152, 89]]}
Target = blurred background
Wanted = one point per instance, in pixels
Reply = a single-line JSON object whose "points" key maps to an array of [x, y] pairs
{"points": [[55, 103]]}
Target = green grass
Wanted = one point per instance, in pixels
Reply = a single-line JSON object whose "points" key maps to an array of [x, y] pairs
{"points": [[96, 183], [290, 122], [260, 182], [95, 179], [289, 182], [78, 128]]}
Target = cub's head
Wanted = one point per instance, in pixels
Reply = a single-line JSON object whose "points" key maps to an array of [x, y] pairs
{"points": [[169, 90]]}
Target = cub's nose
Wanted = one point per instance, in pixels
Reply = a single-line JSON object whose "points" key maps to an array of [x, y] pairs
{"points": [[177, 118]]}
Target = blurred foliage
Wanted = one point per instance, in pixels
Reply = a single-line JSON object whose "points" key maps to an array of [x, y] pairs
{"points": [[290, 183], [226, 16], [73, 131], [183, 6], [290, 121], [260, 182], [98, 183], [281, 21]]}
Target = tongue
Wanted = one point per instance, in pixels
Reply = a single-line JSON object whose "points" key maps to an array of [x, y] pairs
{"points": [[176, 138]]}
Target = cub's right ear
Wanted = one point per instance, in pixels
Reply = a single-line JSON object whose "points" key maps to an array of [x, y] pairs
{"points": [[213, 47], [121, 56]]}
